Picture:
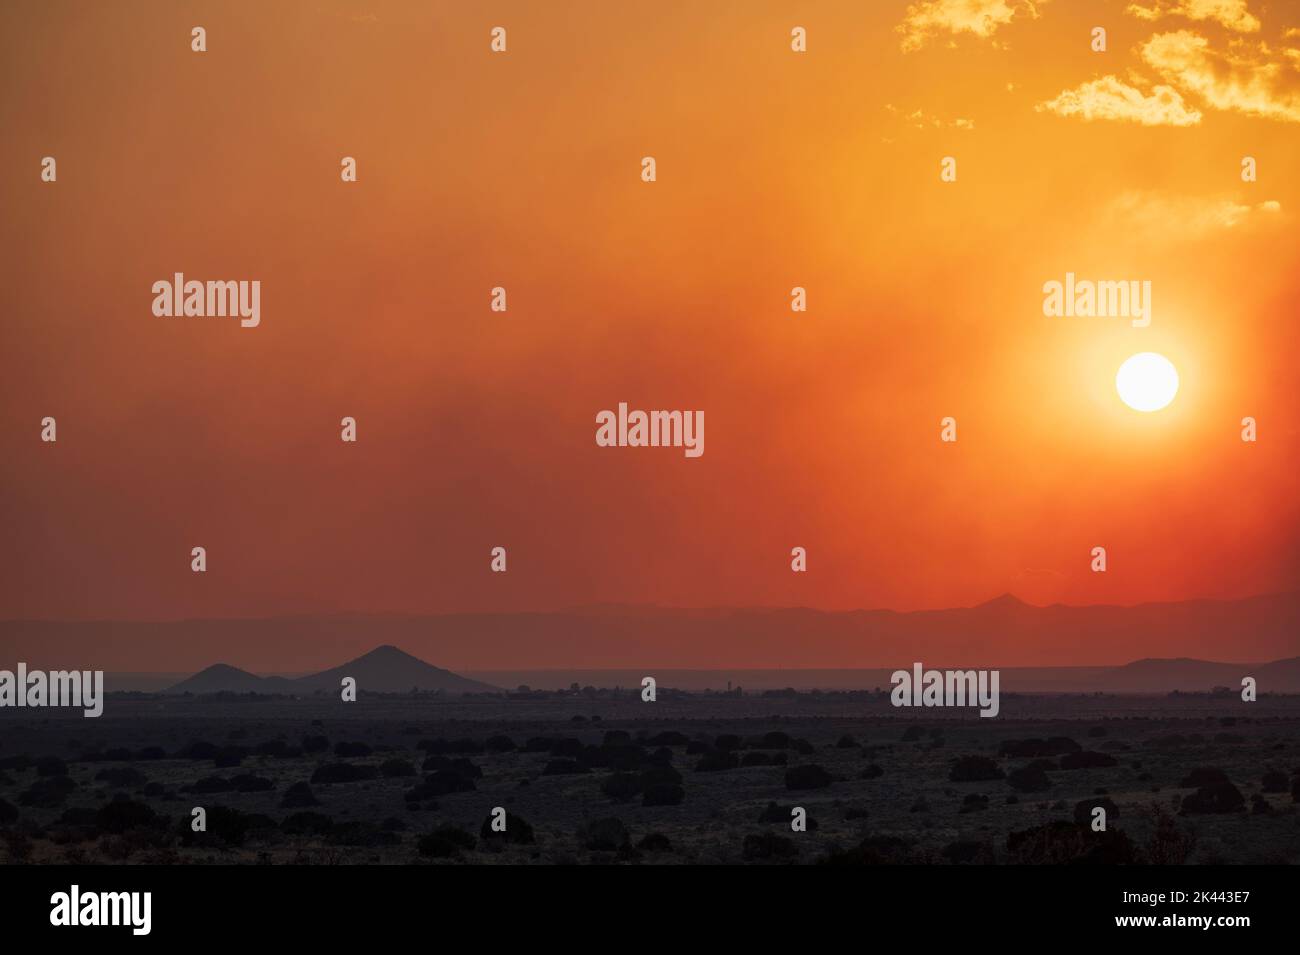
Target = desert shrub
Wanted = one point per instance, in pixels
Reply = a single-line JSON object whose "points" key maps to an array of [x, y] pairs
{"points": [[667, 738], [1229, 738], [153, 790], [199, 749], [728, 742], [567, 748], [1083, 810], [698, 747], [803, 747], [624, 756], [396, 768], [460, 765], [756, 759], [1087, 759], [446, 842], [1203, 776], [1063, 843], [211, 784], [1295, 789], [51, 766], [119, 815], [440, 784], [616, 738], [1274, 782], [538, 744], [604, 835], [655, 842], [1096, 731], [518, 831], [622, 787], [854, 813], [964, 852], [659, 774], [8, 813], [1031, 748], [1214, 798], [358, 832], [768, 846], [499, 744], [48, 793], [564, 767], [226, 828], [847, 742], [1170, 844], [298, 796], [229, 756], [913, 733], [717, 760], [118, 754], [877, 850], [121, 776], [465, 747], [1259, 806], [351, 749], [1029, 779], [807, 776], [315, 744], [872, 771], [306, 824], [974, 769], [250, 783], [343, 773], [663, 794], [973, 802]]}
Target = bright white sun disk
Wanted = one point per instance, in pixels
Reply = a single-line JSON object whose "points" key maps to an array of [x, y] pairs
{"points": [[1147, 381]]}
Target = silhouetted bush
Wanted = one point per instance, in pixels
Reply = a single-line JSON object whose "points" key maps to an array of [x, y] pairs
{"points": [[298, 796], [564, 767], [807, 776], [616, 738], [667, 738], [250, 783], [229, 757], [51, 766], [518, 831], [8, 813], [1087, 759], [1029, 779], [872, 771], [199, 749], [1274, 782], [1030, 748], [974, 769], [847, 742], [121, 776], [306, 824], [1214, 798], [973, 802], [343, 773], [440, 784], [539, 744], [1203, 776], [697, 747], [396, 768], [315, 744], [756, 758], [48, 793], [211, 784], [567, 748], [727, 742], [663, 794], [877, 850], [1096, 731], [498, 744], [655, 842], [716, 761], [763, 846], [968, 852], [913, 733], [622, 787], [607, 835], [1060, 842], [352, 749], [447, 841], [119, 815]]}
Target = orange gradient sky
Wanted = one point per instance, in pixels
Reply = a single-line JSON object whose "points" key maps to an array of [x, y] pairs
{"points": [[775, 170]]}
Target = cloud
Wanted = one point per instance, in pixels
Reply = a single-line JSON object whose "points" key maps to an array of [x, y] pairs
{"points": [[1232, 14], [919, 119], [1111, 98], [1156, 216], [1250, 81], [929, 18]]}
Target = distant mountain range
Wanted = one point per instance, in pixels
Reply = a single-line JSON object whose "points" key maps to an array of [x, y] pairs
{"points": [[1000, 633], [383, 670]]}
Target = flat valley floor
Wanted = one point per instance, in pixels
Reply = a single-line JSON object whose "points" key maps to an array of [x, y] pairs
{"points": [[700, 779]]}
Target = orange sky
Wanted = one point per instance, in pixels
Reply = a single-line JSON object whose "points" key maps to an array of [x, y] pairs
{"points": [[775, 169]]}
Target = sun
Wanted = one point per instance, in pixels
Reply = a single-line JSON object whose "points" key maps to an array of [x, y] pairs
{"points": [[1147, 381]]}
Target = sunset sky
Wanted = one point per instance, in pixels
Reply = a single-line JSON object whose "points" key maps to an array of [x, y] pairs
{"points": [[775, 169]]}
